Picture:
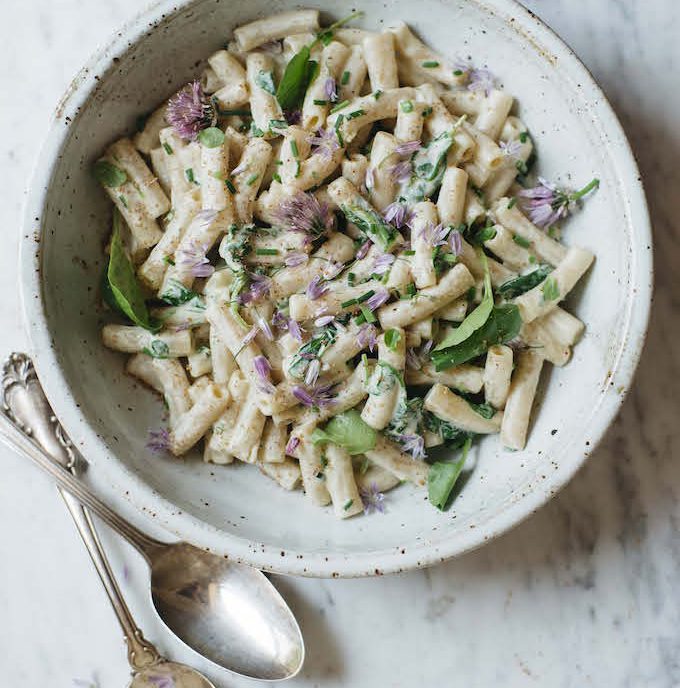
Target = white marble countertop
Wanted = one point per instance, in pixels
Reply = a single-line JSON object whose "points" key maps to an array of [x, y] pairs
{"points": [[582, 594]]}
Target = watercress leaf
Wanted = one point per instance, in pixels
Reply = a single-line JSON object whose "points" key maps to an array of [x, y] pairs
{"points": [[107, 174], [157, 349], [392, 339], [550, 289], [212, 137], [519, 285], [443, 476], [503, 324], [349, 431], [295, 79], [479, 315], [124, 288]]}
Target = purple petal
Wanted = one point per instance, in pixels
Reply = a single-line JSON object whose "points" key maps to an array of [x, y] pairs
{"points": [[263, 326], [251, 335], [367, 337], [295, 258], [316, 288], [303, 212], [303, 396], [325, 142], [189, 111], [329, 89], [372, 499], [159, 440], [263, 370], [401, 172], [312, 373], [383, 263], [369, 180], [407, 148], [363, 250], [395, 213], [324, 320], [456, 242], [295, 330], [292, 445], [378, 299], [332, 270]]}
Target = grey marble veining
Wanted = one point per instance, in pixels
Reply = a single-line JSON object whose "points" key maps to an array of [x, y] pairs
{"points": [[584, 593]]}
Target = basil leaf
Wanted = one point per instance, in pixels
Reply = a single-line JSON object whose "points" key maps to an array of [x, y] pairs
{"points": [[484, 410], [265, 80], [443, 476], [429, 164], [347, 430], [392, 339], [371, 223], [212, 137], [107, 174], [503, 324], [479, 315], [523, 283], [295, 80], [157, 349], [124, 289]]}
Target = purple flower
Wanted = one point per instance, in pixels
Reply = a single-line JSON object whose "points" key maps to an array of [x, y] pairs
{"points": [[378, 299], [263, 370], [511, 149], [159, 440], [292, 445], [162, 681], [456, 242], [316, 288], [295, 330], [401, 172], [546, 203], [481, 80], [319, 395], [363, 250], [194, 259], [259, 289], [329, 89], [324, 320], [325, 142], [312, 373], [373, 499], [332, 270], [413, 445], [383, 263], [304, 213], [367, 337], [189, 111], [407, 148], [434, 235], [397, 214], [263, 326], [295, 258]]}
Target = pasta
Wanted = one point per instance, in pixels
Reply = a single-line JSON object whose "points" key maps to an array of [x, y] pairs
{"points": [[329, 261]]}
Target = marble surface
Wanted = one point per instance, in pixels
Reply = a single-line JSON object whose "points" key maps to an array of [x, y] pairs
{"points": [[583, 593]]}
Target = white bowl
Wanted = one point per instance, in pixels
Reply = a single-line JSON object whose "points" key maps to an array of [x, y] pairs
{"points": [[235, 510]]}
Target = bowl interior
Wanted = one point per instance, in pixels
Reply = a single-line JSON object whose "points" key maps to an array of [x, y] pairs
{"points": [[234, 508]]}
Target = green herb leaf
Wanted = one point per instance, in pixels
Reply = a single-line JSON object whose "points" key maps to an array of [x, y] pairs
{"points": [[168, 148], [176, 293], [212, 137], [295, 80], [345, 78], [349, 431], [392, 339], [479, 315], [124, 289], [521, 241], [519, 285], [107, 174], [442, 478], [406, 106], [157, 349], [430, 64], [551, 292], [503, 324], [429, 165], [484, 410], [453, 436], [265, 80], [339, 106], [371, 223]]}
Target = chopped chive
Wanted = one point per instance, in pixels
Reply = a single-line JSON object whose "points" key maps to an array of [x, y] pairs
{"points": [[297, 169], [427, 111], [230, 186], [338, 122], [123, 200], [252, 179], [524, 135], [266, 251], [366, 296], [355, 114], [189, 174], [168, 148], [294, 149], [368, 315], [345, 77], [458, 72], [277, 177], [392, 339], [347, 504], [409, 253], [168, 260], [360, 319], [339, 106], [430, 64], [512, 203], [320, 102], [521, 241], [350, 278], [533, 260], [347, 304], [406, 106], [377, 94], [411, 289], [237, 113]]}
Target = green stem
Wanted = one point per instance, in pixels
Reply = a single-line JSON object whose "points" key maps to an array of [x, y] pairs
{"points": [[593, 184]]}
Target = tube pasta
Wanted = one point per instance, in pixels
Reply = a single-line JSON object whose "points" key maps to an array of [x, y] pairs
{"points": [[311, 468], [381, 61], [353, 74], [316, 103], [233, 90], [465, 378], [387, 455], [147, 139], [264, 107], [275, 27], [425, 217], [497, 373], [136, 339], [455, 410], [253, 165], [340, 483], [451, 199]]}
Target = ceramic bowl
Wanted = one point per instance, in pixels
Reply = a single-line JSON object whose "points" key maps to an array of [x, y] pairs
{"points": [[235, 510]]}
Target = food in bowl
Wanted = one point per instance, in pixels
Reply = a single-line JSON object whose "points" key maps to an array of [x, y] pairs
{"points": [[334, 263]]}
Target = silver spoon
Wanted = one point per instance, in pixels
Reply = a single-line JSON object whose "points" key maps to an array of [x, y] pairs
{"points": [[228, 612]]}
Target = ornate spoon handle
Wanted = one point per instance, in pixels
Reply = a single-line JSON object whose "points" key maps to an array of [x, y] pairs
{"points": [[27, 408]]}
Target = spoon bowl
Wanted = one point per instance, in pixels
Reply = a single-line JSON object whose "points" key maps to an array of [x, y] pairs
{"points": [[227, 612]]}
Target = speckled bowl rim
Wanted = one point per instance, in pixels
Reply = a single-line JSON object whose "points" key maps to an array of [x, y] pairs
{"points": [[121, 481]]}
